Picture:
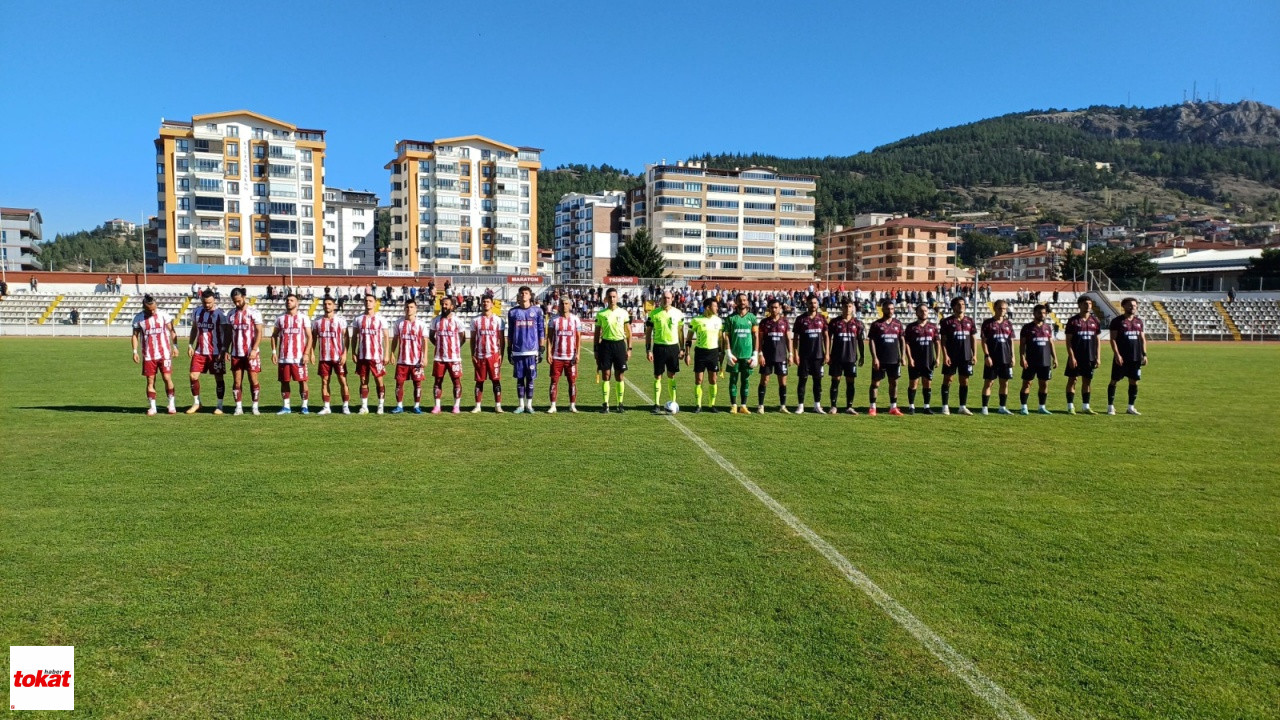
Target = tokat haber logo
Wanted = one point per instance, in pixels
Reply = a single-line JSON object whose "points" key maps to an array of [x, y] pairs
{"points": [[41, 677]]}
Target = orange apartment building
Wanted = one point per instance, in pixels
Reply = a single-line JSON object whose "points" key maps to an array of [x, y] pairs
{"points": [[892, 248]]}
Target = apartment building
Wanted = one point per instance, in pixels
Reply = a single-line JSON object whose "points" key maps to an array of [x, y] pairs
{"points": [[890, 247], [1040, 261], [350, 218], [20, 235], [587, 231], [743, 223], [464, 205], [239, 188]]}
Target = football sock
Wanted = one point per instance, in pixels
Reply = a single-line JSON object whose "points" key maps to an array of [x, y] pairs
{"points": [[714, 389], [479, 392], [1084, 396], [927, 393], [893, 399], [733, 389], [782, 394], [804, 383], [946, 395], [604, 388], [171, 401], [1004, 399], [911, 397], [872, 398], [221, 386], [497, 392], [256, 388], [835, 390], [817, 389], [671, 386], [697, 394], [1111, 394], [848, 394], [1044, 398], [399, 394], [986, 401], [760, 391], [743, 378], [1133, 395], [195, 391], [622, 387], [657, 390], [573, 392], [1022, 398], [964, 396], [1071, 398], [417, 393], [437, 386]]}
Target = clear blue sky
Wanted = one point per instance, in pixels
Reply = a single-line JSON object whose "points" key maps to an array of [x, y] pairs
{"points": [[625, 83]]}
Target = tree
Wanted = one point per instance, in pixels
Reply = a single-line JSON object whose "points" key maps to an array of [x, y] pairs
{"points": [[639, 257], [382, 230], [977, 247], [1129, 271], [1265, 266]]}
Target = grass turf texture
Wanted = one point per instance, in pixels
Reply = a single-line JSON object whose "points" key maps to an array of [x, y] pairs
{"points": [[507, 566]]}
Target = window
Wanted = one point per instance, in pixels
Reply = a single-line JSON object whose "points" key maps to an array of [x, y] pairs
{"points": [[184, 242], [758, 206], [159, 168], [757, 190], [182, 164], [757, 251], [757, 266], [259, 171], [723, 204], [757, 221], [306, 174], [232, 130], [184, 203], [308, 211], [233, 243], [181, 145], [233, 206], [259, 189], [305, 156], [486, 188], [692, 217], [722, 188], [214, 204], [357, 225], [233, 224], [308, 228], [306, 192], [259, 151], [723, 234]]}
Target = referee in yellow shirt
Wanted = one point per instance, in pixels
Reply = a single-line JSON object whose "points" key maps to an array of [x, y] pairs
{"points": [[612, 345]]}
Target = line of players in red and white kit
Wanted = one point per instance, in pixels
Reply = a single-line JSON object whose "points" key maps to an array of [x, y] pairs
{"points": [[219, 340]]}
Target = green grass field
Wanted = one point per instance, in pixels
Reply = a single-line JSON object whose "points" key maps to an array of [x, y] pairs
{"points": [[601, 567]]}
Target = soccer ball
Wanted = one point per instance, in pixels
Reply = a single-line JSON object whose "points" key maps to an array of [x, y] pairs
{"points": [[673, 407]]}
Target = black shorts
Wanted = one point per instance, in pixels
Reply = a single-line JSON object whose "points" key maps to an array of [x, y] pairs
{"points": [[1081, 370], [966, 370], [705, 360], [997, 371], [1032, 372], [1131, 370], [811, 367], [612, 355], [770, 368], [666, 358], [844, 369], [893, 372], [916, 372]]}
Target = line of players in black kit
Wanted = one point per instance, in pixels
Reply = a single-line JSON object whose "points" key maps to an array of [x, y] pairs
{"points": [[815, 343]]}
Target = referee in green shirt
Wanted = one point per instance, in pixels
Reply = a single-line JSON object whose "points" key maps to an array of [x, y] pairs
{"points": [[704, 337], [662, 347], [612, 345]]}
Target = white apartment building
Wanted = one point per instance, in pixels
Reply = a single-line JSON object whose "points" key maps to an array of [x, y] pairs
{"points": [[239, 188], [745, 223], [464, 205], [350, 217], [20, 235], [587, 230]]}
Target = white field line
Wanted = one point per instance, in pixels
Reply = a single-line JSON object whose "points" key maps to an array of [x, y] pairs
{"points": [[984, 687]]}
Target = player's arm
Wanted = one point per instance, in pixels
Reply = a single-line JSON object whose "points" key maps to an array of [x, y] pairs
{"points": [[257, 338], [648, 338], [791, 346], [394, 347], [133, 342], [595, 339], [973, 345], [826, 342], [755, 341], [724, 343], [911, 360], [275, 341], [313, 341], [542, 339], [351, 342], [225, 332], [346, 339], [875, 356], [311, 356], [902, 345], [386, 344], [862, 358], [191, 340], [1053, 352], [1142, 339], [1071, 352], [1022, 349]]}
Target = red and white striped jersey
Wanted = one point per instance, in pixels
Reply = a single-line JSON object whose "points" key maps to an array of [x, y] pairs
{"points": [[448, 335], [331, 336], [208, 325], [293, 338], [155, 335], [369, 331], [410, 334], [485, 332], [565, 335], [244, 329]]}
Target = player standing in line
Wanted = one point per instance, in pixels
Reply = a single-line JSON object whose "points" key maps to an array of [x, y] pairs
{"points": [[1039, 357], [564, 333], [526, 344], [207, 347], [776, 350], [488, 343], [612, 345], [847, 333], [1083, 351], [887, 346], [742, 341], [959, 338], [154, 330], [703, 339], [997, 350], [812, 340], [291, 351], [370, 344], [329, 340], [409, 343], [246, 332], [922, 357], [1129, 344], [448, 335], [662, 347]]}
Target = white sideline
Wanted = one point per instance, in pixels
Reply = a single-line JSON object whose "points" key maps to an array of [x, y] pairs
{"points": [[981, 685]]}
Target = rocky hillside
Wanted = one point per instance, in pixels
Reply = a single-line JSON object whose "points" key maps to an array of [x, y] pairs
{"points": [[1246, 123]]}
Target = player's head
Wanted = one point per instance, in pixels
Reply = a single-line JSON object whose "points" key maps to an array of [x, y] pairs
{"points": [[811, 302], [710, 307], [486, 303], [666, 298], [370, 302], [566, 306], [237, 297], [446, 306], [329, 306], [1130, 305], [957, 305], [846, 307], [611, 297], [411, 307], [886, 308], [291, 302], [1002, 308], [206, 299], [775, 308], [922, 312], [1085, 304], [524, 296], [742, 303], [1040, 311], [148, 305]]}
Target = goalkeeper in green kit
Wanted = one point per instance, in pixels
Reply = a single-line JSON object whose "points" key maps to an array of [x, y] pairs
{"points": [[742, 343]]}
